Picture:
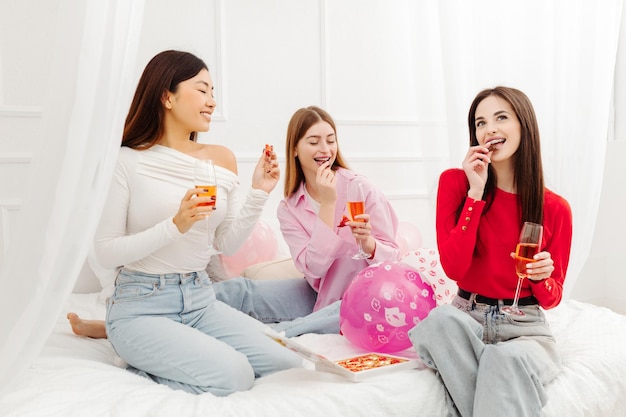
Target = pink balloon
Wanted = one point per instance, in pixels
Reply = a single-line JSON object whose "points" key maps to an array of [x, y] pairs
{"points": [[383, 302], [261, 246], [403, 245], [408, 237]]}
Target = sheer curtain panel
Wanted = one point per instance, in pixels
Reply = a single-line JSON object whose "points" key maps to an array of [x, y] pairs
{"points": [[88, 84]]}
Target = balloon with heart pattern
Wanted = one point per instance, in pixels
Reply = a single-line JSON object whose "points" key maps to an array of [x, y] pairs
{"points": [[382, 303]]}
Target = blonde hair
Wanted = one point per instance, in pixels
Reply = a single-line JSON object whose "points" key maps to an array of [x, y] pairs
{"points": [[300, 123]]}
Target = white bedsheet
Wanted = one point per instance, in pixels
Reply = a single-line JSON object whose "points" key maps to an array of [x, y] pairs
{"points": [[76, 376]]}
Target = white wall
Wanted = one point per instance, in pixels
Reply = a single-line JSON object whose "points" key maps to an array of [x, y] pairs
{"points": [[268, 58], [24, 30]]}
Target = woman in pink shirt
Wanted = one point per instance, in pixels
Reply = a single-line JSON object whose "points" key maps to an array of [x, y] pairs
{"points": [[320, 240], [316, 186]]}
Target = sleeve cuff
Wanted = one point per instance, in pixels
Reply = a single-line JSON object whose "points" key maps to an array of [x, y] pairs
{"points": [[471, 209], [257, 197]]}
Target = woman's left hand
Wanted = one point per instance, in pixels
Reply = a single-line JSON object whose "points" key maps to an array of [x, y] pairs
{"points": [[361, 230], [542, 267], [267, 172]]}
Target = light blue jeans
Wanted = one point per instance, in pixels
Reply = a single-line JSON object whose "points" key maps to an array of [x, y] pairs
{"points": [[285, 304], [172, 329], [490, 364]]}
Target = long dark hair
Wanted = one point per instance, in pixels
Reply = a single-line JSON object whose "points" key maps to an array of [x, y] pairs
{"points": [[300, 122], [528, 175], [144, 122]]}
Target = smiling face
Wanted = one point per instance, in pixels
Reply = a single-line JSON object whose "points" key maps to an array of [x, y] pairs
{"points": [[497, 127], [191, 105], [318, 145]]}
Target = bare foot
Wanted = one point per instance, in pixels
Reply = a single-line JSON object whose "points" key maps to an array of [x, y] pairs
{"points": [[90, 328]]}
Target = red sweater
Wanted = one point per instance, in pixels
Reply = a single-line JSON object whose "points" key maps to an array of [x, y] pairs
{"points": [[475, 250]]}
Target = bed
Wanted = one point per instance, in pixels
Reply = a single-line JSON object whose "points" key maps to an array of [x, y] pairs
{"points": [[77, 376]]}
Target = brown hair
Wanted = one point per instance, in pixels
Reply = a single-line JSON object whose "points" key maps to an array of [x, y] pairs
{"points": [[144, 122], [528, 174], [300, 122]]}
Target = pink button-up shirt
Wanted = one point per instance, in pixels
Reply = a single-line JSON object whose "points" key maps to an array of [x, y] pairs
{"points": [[322, 254]]}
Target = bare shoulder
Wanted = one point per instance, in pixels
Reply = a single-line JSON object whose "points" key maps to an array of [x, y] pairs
{"points": [[221, 156]]}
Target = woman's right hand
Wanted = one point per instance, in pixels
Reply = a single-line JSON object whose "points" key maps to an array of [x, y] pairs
{"points": [[190, 211], [326, 184], [475, 165]]}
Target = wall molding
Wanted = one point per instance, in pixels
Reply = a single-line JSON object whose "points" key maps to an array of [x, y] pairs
{"points": [[13, 204], [34, 112], [220, 114], [323, 43], [6, 205], [4, 233], [383, 122], [16, 157], [374, 158], [324, 90], [413, 195]]}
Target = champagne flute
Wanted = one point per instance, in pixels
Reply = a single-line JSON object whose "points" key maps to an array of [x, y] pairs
{"points": [[528, 246], [356, 206], [204, 177]]}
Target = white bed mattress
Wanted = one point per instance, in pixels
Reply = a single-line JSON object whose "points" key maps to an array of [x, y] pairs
{"points": [[76, 376]]}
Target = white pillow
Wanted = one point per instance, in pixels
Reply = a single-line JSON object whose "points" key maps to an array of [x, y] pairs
{"points": [[426, 262], [276, 269], [215, 269]]}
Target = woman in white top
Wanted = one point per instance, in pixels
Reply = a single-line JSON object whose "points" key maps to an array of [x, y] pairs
{"points": [[163, 318]]}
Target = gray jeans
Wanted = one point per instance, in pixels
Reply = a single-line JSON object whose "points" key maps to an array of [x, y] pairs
{"points": [[285, 304], [490, 364]]}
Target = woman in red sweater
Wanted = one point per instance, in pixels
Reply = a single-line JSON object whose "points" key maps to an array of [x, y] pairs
{"points": [[491, 363]]}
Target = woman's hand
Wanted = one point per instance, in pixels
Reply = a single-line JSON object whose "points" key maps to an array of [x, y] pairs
{"points": [[267, 172], [476, 165], [542, 267], [190, 210], [326, 184], [362, 230]]}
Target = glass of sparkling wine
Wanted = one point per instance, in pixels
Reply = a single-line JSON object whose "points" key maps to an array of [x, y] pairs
{"points": [[356, 206], [205, 179], [528, 246]]}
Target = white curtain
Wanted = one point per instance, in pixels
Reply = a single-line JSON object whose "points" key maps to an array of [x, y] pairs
{"points": [[87, 98], [562, 55]]}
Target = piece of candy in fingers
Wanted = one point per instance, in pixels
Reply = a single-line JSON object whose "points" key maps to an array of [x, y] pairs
{"points": [[493, 144], [269, 149], [343, 221]]}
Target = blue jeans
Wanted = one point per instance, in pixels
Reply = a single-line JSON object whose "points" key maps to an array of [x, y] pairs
{"points": [[172, 329], [287, 304], [490, 364]]}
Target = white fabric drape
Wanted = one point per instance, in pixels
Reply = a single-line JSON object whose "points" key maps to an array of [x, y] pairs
{"points": [[87, 97], [562, 55]]}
